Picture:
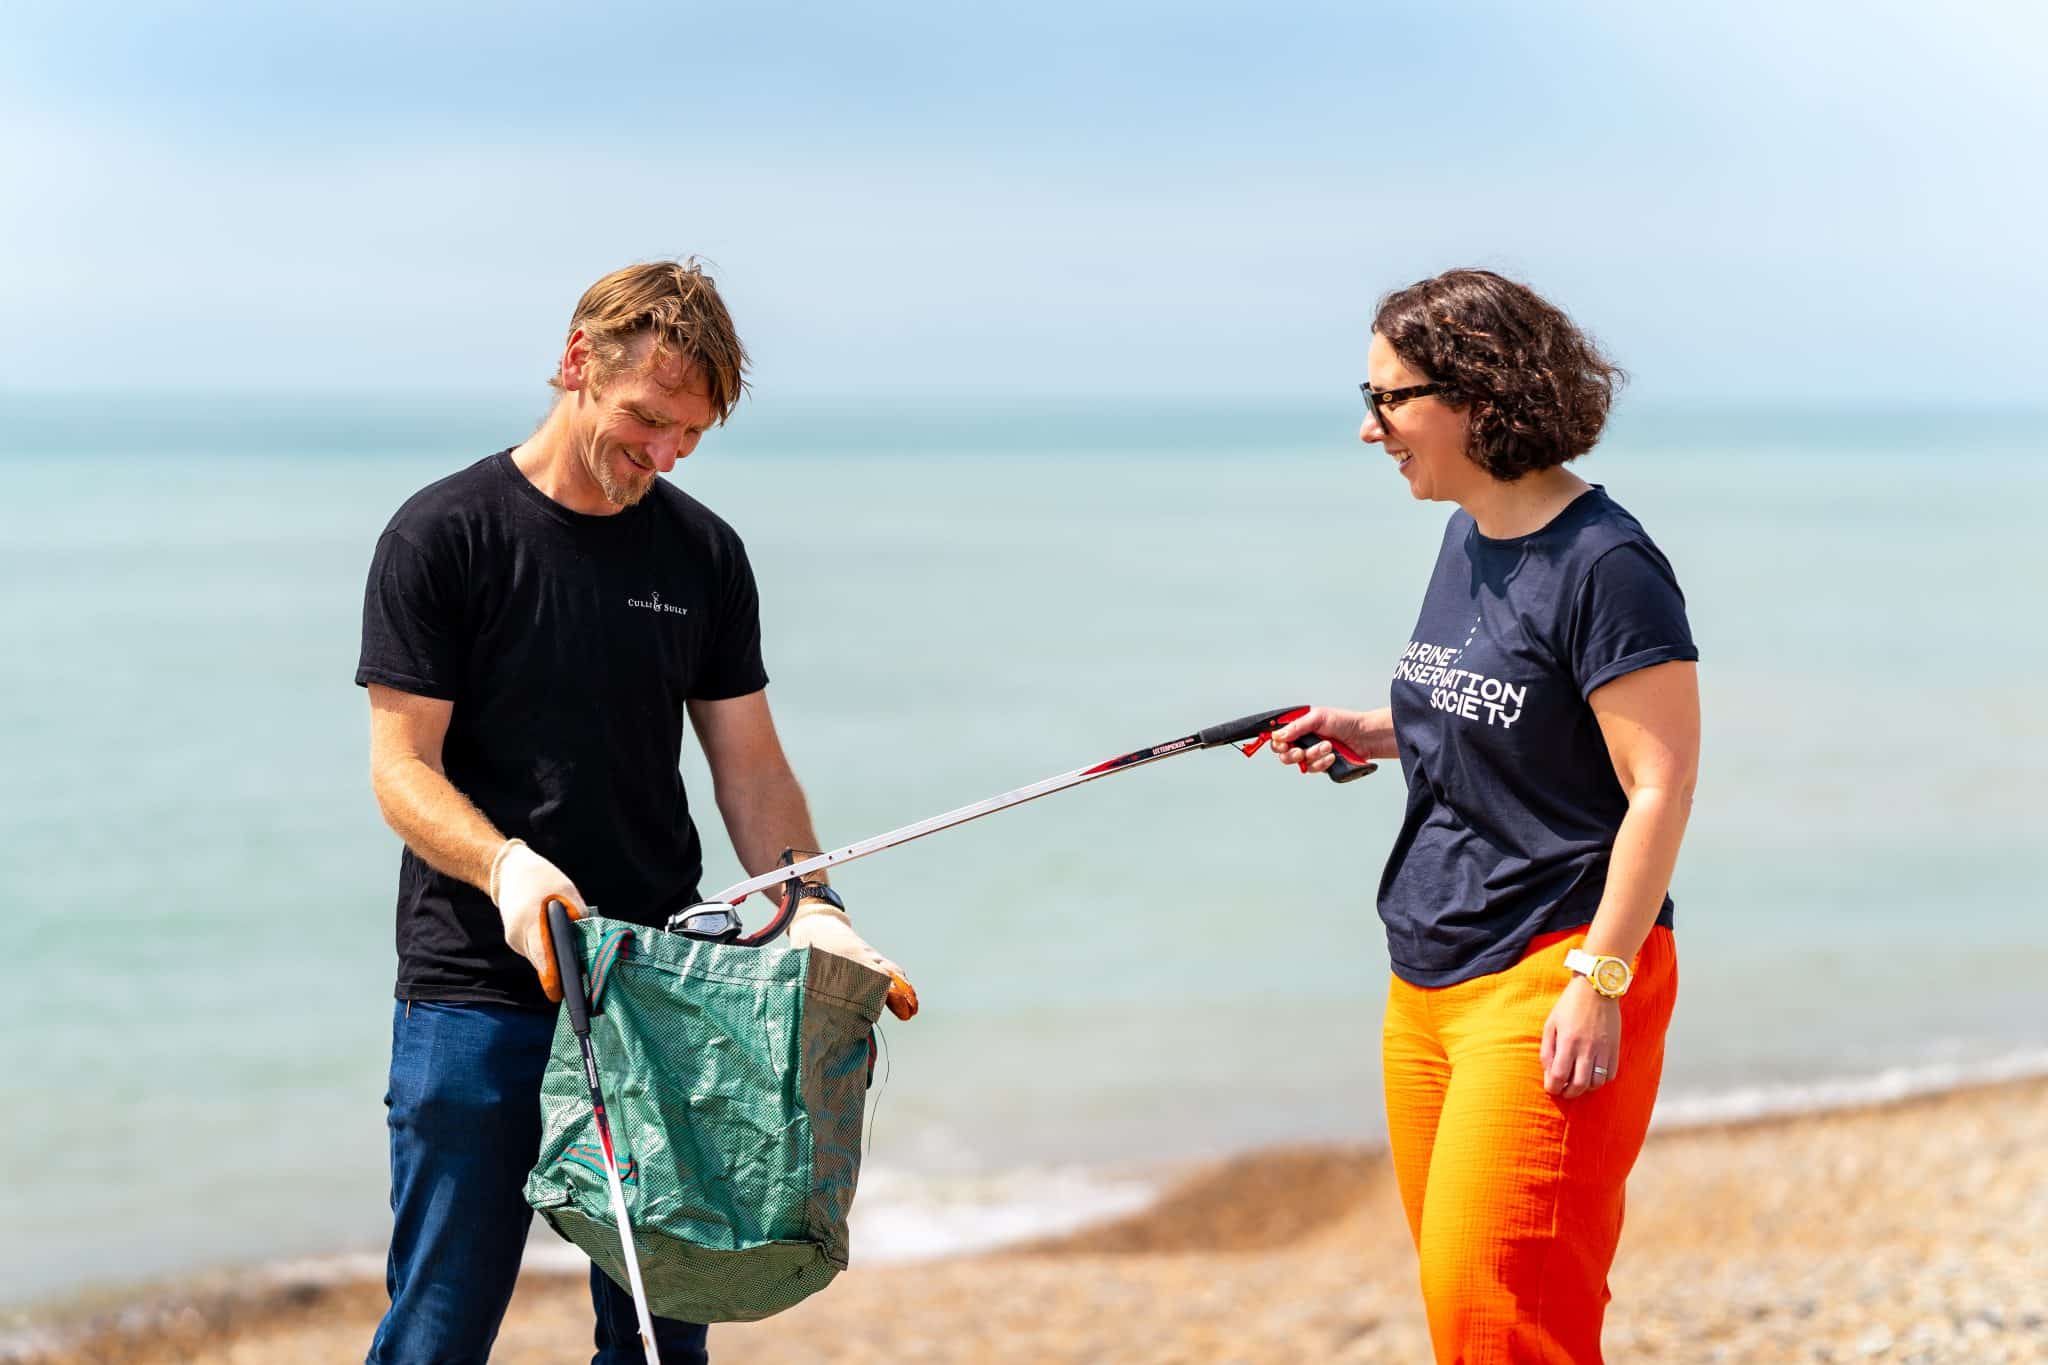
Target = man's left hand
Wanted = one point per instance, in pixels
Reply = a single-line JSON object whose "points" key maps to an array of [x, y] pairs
{"points": [[820, 926]]}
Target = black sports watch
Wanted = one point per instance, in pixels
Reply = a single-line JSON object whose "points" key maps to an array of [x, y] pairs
{"points": [[818, 891]]}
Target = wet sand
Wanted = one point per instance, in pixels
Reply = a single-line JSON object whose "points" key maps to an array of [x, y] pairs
{"points": [[1912, 1232]]}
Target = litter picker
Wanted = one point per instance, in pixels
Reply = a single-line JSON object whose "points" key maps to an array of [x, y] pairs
{"points": [[716, 919]]}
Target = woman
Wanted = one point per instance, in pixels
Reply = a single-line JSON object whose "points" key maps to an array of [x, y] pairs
{"points": [[1546, 715]]}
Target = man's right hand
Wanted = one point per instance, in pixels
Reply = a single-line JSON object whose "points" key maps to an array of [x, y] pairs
{"points": [[525, 883]]}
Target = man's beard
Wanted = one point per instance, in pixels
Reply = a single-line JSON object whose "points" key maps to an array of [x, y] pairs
{"points": [[616, 491]]}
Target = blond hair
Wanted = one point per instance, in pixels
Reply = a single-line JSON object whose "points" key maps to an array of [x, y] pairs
{"points": [[677, 305]]}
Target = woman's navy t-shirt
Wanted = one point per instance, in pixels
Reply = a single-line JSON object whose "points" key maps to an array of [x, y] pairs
{"points": [[1513, 803]]}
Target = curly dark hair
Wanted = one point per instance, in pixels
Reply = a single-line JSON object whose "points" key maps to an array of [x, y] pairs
{"points": [[1538, 389]]}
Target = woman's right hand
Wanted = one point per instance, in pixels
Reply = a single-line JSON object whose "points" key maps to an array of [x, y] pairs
{"points": [[1349, 728]]}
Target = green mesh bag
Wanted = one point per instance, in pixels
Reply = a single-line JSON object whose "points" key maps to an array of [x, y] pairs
{"points": [[735, 1079]]}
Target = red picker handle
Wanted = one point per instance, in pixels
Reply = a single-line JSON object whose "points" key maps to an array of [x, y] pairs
{"points": [[1259, 728], [1350, 765]]}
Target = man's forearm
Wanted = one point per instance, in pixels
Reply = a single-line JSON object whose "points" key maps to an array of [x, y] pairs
{"points": [[437, 821], [764, 814]]}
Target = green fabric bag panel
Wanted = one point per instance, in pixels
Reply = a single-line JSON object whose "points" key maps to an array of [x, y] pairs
{"points": [[735, 1080]]}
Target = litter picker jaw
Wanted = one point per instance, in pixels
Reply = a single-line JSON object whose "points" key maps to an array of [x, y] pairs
{"points": [[562, 940], [717, 922]]}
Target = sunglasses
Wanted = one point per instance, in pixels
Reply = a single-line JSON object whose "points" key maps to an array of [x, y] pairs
{"points": [[1378, 401]]}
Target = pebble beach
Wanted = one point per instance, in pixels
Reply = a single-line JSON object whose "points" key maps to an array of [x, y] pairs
{"points": [[1912, 1232]]}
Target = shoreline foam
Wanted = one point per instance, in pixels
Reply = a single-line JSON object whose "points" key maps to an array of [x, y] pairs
{"points": [[1261, 1201], [1832, 1095]]}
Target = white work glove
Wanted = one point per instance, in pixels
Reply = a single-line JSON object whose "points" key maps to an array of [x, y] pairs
{"points": [[522, 883], [827, 929]]}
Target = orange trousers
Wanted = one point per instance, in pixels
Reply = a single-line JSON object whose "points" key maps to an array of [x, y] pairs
{"points": [[1514, 1196]]}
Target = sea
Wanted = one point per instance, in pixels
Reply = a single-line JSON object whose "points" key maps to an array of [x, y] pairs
{"points": [[1175, 963]]}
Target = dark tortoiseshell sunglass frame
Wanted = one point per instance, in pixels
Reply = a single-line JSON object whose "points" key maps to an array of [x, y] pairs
{"points": [[1377, 401]]}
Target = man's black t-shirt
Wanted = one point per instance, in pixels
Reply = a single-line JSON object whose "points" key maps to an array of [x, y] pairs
{"points": [[1513, 803], [568, 644]]}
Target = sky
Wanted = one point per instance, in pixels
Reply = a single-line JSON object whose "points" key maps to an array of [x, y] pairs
{"points": [[910, 203]]}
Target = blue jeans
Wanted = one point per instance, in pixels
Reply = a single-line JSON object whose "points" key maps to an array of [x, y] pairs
{"points": [[464, 1105]]}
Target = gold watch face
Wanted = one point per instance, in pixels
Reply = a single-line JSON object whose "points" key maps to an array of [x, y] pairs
{"points": [[1610, 975]]}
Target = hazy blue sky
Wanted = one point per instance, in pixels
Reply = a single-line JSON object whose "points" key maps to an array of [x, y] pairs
{"points": [[1840, 201]]}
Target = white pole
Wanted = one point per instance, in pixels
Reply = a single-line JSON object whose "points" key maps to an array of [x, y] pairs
{"points": [[625, 1222], [739, 891]]}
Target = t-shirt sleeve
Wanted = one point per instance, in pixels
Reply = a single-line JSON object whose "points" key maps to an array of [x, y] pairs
{"points": [[412, 615], [1630, 615], [732, 660]]}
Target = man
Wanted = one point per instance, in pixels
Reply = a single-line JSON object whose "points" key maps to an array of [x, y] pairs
{"points": [[535, 629]]}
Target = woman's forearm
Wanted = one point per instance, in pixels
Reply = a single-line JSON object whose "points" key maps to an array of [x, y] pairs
{"points": [[1639, 870], [1375, 731]]}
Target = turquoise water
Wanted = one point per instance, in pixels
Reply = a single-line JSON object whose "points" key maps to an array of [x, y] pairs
{"points": [[1174, 962]]}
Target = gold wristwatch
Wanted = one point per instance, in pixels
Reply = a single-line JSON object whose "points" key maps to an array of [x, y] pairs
{"points": [[1608, 975]]}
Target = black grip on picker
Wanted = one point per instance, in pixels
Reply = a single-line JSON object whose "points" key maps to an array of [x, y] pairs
{"points": [[1256, 726], [569, 963], [1344, 769]]}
